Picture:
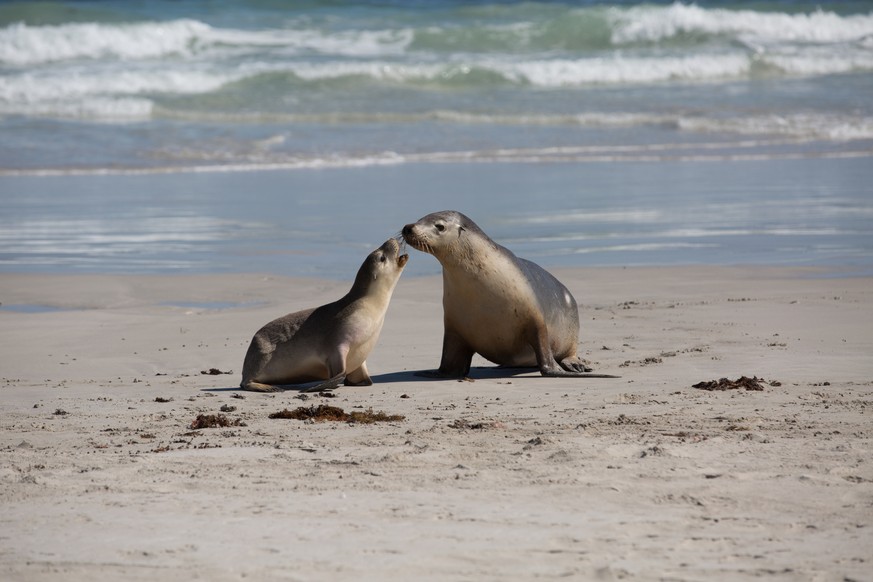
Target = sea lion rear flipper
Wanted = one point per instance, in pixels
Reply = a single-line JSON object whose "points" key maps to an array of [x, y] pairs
{"points": [[570, 367], [574, 364]]}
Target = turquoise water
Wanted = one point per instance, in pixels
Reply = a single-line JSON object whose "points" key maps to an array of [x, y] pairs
{"points": [[293, 137]]}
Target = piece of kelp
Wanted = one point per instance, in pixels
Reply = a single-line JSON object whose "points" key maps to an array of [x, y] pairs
{"points": [[753, 383], [324, 412]]}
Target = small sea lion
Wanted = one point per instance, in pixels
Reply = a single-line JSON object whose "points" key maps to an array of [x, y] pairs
{"points": [[331, 342], [509, 310]]}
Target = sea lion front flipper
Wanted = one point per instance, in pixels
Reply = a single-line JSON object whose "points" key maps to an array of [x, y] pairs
{"points": [[253, 386], [359, 377], [336, 368], [328, 385], [457, 356]]}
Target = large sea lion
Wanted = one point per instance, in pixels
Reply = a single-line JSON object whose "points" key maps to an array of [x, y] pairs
{"points": [[508, 309], [331, 342]]}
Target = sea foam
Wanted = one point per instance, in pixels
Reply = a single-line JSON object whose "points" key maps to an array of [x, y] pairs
{"points": [[652, 24], [23, 45]]}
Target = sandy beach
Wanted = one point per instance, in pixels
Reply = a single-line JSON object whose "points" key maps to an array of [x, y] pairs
{"points": [[507, 476]]}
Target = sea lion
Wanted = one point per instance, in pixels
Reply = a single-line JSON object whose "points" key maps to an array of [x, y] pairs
{"points": [[331, 342], [508, 309]]}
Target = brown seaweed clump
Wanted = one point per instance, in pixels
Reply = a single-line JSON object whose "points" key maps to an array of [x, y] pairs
{"points": [[462, 424], [214, 421], [753, 383], [324, 412]]}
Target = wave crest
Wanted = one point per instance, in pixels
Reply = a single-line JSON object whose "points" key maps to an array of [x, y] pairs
{"points": [[655, 24], [22, 45]]}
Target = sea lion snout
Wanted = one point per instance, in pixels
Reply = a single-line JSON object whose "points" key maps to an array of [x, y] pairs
{"points": [[411, 237], [435, 232], [391, 248], [414, 237]]}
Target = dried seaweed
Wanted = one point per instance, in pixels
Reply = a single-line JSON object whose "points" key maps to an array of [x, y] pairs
{"points": [[323, 412], [753, 383], [462, 424], [214, 421]]}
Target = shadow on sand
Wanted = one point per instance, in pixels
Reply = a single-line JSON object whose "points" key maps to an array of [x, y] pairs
{"points": [[479, 373]]}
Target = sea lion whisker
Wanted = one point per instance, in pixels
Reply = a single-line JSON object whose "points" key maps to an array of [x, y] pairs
{"points": [[401, 242]]}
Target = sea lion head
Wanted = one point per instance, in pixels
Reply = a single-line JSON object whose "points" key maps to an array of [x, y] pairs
{"points": [[385, 264], [390, 252], [441, 234]]}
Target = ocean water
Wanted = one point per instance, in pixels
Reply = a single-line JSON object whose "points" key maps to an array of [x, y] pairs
{"points": [[293, 137]]}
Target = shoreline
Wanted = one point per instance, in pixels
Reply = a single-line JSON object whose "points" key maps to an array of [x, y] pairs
{"points": [[503, 156], [97, 290], [509, 476]]}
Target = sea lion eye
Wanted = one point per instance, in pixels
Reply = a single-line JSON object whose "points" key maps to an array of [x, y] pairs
{"points": [[440, 227], [382, 258]]}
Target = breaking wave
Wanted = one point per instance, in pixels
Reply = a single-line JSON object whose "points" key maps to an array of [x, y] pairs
{"points": [[501, 65]]}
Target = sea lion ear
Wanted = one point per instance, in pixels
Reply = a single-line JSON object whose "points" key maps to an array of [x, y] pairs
{"points": [[460, 230]]}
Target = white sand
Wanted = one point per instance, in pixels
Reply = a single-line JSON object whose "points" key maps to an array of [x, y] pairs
{"points": [[642, 477]]}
